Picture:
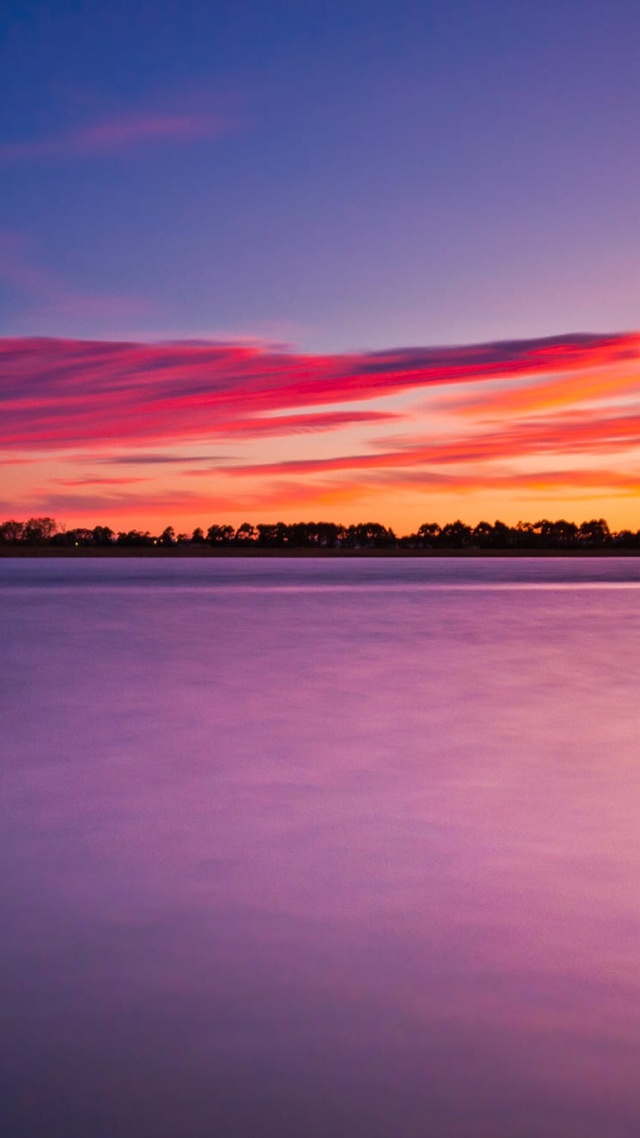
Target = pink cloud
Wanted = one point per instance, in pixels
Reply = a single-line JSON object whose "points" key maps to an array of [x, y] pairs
{"points": [[325, 497], [164, 504], [275, 425], [105, 399], [285, 494], [115, 135], [579, 482], [62, 393], [571, 435], [99, 481]]}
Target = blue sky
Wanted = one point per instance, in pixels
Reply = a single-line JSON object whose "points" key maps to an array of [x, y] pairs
{"points": [[311, 183], [372, 174]]}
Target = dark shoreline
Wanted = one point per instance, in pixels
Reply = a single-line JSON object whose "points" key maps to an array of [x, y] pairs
{"points": [[305, 554]]}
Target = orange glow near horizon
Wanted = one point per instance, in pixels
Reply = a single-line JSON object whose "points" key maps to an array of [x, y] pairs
{"points": [[142, 435]]}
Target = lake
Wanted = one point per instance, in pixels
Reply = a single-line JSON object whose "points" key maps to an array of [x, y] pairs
{"points": [[297, 848]]}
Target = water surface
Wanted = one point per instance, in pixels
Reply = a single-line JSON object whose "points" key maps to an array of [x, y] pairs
{"points": [[300, 848]]}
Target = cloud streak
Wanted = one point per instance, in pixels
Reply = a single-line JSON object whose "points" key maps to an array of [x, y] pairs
{"points": [[581, 434], [114, 136], [58, 394], [546, 420]]}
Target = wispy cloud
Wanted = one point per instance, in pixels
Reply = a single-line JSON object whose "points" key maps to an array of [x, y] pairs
{"points": [[60, 393], [123, 503], [116, 135], [579, 434], [552, 419], [100, 481], [152, 459]]}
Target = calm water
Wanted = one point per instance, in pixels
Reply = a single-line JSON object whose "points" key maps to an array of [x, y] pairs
{"points": [[304, 849]]}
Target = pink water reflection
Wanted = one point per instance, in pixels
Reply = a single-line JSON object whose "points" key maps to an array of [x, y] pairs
{"points": [[348, 860]]}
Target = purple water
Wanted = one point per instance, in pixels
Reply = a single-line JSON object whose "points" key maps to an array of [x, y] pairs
{"points": [[299, 849]]}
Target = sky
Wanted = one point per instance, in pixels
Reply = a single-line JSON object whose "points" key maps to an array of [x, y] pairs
{"points": [[307, 260]]}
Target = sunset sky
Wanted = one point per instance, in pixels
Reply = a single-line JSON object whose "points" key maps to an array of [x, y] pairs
{"points": [[319, 260]]}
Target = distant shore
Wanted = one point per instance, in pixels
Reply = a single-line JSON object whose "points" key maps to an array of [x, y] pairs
{"points": [[43, 537], [186, 553]]}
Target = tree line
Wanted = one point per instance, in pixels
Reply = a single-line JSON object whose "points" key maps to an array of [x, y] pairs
{"points": [[542, 535]]}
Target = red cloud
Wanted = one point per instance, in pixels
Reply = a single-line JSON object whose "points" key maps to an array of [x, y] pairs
{"points": [[99, 481], [577, 480], [114, 135], [302, 424], [61, 393], [580, 433]]}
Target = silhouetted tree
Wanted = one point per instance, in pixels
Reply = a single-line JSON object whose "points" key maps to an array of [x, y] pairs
{"points": [[525, 536], [626, 539], [11, 532], [483, 535], [428, 535], [456, 534], [369, 535], [502, 535], [103, 535], [244, 534], [135, 537], [220, 535], [73, 537], [594, 533], [330, 535], [273, 536], [302, 535], [38, 531]]}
